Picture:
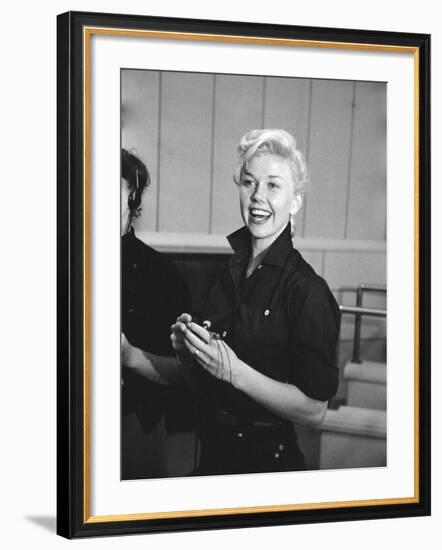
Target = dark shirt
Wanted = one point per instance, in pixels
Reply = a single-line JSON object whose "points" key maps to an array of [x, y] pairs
{"points": [[283, 321], [153, 294]]}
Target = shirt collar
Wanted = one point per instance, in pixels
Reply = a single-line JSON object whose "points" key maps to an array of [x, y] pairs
{"points": [[276, 254]]}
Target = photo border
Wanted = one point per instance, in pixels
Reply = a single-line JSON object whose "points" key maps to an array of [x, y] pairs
{"points": [[75, 30]]}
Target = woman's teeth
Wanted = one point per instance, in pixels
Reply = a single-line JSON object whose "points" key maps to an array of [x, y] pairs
{"points": [[259, 214]]}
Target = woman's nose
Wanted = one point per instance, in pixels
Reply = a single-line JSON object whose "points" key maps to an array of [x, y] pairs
{"points": [[258, 193]]}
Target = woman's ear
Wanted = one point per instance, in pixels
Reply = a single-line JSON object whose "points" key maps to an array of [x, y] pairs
{"points": [[297, 203]]}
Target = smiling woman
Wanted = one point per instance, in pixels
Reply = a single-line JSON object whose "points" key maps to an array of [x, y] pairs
{"points": [[264, 358], [272, 175]]}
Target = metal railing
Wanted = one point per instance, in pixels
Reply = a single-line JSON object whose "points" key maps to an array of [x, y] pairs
{"points": [[359, 311]]}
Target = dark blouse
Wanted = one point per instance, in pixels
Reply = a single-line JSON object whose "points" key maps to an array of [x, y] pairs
{"points": [[282, 320], [153, 294]]}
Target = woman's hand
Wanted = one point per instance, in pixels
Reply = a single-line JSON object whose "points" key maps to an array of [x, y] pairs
{"points": [[213, 354], [127, 351], [177, 336], [159, 369]]}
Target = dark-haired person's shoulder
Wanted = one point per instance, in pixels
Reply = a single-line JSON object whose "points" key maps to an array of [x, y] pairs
{"points": [[165, 266]]}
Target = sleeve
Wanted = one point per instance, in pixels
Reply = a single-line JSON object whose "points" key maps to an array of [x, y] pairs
{"points": [[314, 331]]}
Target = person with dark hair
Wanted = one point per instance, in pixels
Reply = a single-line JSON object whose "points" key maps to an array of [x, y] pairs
{"points": [[135, 178], [153, 293], [263, 353]]}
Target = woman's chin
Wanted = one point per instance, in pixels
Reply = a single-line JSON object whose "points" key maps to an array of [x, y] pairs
{"points": [[265, 233], [260, 231], [259, 224]]}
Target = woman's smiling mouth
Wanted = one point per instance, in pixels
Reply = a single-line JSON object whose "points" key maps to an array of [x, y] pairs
{"points": [[258, 215]]}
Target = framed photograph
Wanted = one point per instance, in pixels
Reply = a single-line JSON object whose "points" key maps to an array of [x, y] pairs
{"points": [[243, 274]]}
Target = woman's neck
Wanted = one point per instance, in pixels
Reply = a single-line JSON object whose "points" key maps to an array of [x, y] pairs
{"points": [[259, 250], [256, 257]]}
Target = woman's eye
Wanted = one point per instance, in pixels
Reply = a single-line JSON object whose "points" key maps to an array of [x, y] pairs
{"points": [[273, 185], [247, 183]]}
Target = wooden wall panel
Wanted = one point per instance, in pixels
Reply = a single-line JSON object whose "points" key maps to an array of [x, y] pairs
{"points": [[353, 268], [186, 127], [287, 106], [139, 131], [367, 192], [185, 152], [238, 108], [329, 154]]}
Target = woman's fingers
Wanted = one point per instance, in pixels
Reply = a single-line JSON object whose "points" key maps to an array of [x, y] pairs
{"points": [[178, 328], [177, 341], [184, 318], [178, 331], [200, 331], [202, 352], [207, 351], [203, 360], [196, 342]]}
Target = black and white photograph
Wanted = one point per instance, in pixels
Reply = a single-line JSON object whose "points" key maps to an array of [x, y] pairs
{"points": [[243, 273], [253, 274]]}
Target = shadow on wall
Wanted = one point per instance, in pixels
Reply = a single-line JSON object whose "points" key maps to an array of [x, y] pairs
{"points": [[48, 523]]}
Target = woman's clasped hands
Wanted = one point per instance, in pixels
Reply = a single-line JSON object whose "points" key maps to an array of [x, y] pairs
{"points": [[193, 341]]}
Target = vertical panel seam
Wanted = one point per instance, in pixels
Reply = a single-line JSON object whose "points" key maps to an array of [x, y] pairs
{"points": [[264, 92], [212, 155], [307, 149], [323, 264], [350, 161], [160, 103]]}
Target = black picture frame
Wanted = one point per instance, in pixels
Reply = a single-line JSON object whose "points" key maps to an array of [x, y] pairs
{"points": [[73, 518]]}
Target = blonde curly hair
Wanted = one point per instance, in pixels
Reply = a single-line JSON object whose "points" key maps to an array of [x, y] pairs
{"points": [[272, 141]]}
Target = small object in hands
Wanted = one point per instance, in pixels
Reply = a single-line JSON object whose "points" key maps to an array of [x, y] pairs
{"points": [[213, 335]]}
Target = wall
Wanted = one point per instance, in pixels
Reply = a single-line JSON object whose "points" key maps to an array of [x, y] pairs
{"points": [[186, 127]]}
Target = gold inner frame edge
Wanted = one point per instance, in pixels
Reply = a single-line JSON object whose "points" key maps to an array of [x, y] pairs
{"points": [[87, 33]]}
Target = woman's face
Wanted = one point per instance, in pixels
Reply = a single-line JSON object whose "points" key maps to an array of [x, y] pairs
{"points": [[124, 207], [267, 198]]}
